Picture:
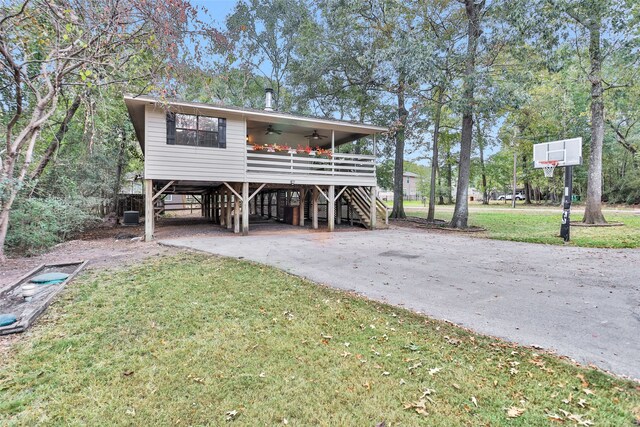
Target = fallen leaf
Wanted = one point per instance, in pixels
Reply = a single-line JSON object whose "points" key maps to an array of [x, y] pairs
{"points": [[474, 401], [456, 386], [584, 382], [588, 392], [416, 366], [515, 412], [262, 375], [413, 347], [127, 373], [419, 406], [231, 415], [434, 371], [555, 417]]}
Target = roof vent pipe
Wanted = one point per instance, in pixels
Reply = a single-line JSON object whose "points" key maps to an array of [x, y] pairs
{"points": [[268, 99]]}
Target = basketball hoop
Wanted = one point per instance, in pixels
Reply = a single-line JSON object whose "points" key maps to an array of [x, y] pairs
{"points": [[548, 166]]}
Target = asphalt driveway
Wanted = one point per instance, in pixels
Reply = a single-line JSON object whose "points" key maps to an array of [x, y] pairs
{"points": [[582, 303]]}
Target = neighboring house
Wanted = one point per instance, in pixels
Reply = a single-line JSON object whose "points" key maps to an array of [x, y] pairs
{"points": [[409, 188], [475, 195], [131, 183], [410, 185], [236, 160]]}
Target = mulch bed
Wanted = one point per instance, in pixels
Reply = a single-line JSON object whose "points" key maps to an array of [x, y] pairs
{"points": [[438, 224]]}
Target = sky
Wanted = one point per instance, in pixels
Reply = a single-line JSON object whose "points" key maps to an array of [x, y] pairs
{"points": [[218, 9]]}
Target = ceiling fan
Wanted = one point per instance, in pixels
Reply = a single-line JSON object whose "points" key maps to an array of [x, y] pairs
{"points": [[315, 135], [272, 131]]}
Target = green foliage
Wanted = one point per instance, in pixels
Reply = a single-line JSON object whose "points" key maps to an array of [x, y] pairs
{"points": [[37, 224]]}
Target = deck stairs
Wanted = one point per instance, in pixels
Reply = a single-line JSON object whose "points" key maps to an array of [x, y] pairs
{"points": [[360, 201]]}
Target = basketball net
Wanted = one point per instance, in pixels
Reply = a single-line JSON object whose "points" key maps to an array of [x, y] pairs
{"points": [[548, 166]]}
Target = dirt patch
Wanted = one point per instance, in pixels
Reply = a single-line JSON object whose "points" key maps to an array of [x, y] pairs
{"points": [[415, 222]]}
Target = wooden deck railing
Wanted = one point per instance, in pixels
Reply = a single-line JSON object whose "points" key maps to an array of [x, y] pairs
{"points": [[294, 164]]}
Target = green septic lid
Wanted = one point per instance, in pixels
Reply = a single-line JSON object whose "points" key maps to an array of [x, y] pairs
{"points": [[7, 319], [49, 278]]}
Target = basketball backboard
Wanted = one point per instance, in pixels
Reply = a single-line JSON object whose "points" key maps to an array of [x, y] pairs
{"points": [[566, 152]]}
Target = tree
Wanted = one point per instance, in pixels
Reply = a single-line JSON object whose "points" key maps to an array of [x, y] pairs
{"points": [[601, 28], [46, 47], [474, 13], [265, 35]]}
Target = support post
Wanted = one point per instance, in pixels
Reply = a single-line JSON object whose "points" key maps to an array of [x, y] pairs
{"points": [[303, 193], [149, 214], [215, 208], [223, 213], [565, 227], [228, 221], [270, 196], [331, 207], [314, 207], [236, 212], [339, 210], [333, 150], [372, 208], [245, 208]]}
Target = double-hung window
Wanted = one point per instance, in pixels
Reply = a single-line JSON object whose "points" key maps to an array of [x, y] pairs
{"points": [[196, 130]]}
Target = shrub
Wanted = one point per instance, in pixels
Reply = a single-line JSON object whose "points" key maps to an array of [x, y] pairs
{"points": [[39, 223]]}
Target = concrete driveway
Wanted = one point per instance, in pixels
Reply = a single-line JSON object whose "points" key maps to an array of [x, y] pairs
{"points": [[582, 303]]}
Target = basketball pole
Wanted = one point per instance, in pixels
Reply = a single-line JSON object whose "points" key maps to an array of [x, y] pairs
{"points": [[565, 227]]}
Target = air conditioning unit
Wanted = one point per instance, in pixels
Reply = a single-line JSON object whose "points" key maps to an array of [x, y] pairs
{"points": [[131, 218]]}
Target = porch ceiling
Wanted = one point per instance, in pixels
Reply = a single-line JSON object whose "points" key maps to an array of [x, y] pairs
{"points": [[294, 133]]}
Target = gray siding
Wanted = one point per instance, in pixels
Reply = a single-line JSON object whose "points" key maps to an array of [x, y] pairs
{"points": [[179, 162]]}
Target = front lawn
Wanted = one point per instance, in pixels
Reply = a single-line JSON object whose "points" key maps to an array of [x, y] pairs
{"points": [[198, 340], [523, 225]]}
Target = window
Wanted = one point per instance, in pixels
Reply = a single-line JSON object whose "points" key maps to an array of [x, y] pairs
{"points": [[197, 131], [168, 198]]}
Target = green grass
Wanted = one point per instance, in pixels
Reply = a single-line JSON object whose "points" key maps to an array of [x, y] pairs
{"points": [[185, 339], [523, 225]]}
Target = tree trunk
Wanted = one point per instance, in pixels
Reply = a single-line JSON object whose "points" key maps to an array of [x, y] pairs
{"points": [[593, 208], [527, 193], [527, 184], [461, 210], [449, 170], [485, 195], [57, 138], [434, 159], [398, 169], [119, 167]]}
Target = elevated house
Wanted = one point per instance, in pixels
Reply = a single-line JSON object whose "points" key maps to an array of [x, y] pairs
{"points": [[241, 163]]}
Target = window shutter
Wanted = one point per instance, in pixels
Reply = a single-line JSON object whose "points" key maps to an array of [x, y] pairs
{"points": [[222, 133], [171, 128]]}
